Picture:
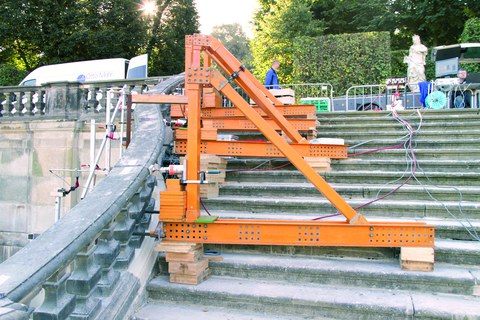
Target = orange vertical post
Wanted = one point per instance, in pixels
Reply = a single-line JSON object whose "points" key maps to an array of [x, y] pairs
{"points": [[193, 91]]}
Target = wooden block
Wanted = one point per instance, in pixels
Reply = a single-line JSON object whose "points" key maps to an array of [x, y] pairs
{"points": [[189, 279], [214, 258], [282, 92], [211, 99], [188, 268], [287, 100], [185, 257], [417, 259], [209, 190], [179, 247]]}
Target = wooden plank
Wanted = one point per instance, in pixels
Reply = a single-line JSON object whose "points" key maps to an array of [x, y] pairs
{"points": [[189, 279], [185, 257], [188, 268], [159, 98], [179, 247], [417, 259]]}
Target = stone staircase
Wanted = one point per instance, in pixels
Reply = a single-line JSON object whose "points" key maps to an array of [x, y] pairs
{"points": [[281, 282]]}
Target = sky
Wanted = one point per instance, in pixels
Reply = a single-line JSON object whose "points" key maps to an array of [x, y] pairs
{"points": [[217, 12]]}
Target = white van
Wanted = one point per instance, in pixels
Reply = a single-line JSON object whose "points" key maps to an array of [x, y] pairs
{"points": [[88, 71]]}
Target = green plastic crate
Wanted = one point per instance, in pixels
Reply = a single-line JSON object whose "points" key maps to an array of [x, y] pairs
{"points": [[322, 104]]}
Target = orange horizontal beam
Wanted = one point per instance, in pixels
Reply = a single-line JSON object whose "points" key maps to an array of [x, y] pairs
{"points": [[245, 124], [302, 233], [303, 111], [158, 98], [262, 149]]}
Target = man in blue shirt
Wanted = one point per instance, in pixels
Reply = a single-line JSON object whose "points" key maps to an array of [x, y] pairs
{"points": [[271, 80]]}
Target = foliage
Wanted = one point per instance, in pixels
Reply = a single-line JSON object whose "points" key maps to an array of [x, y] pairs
{"points": [[343, 60], [471, 33], [277, 24], [35, 33], [166, 46], [68, 30], [10, 76], [235, 40], [438, 22]]}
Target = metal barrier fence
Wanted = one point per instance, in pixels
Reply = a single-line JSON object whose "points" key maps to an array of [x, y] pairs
{"points": [[301, 90]]}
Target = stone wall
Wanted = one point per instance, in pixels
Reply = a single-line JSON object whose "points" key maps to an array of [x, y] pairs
{"points": [[46, 128], [28, 189]]}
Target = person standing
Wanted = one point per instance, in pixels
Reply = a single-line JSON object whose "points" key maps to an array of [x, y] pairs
{"points": [[271, 79]]}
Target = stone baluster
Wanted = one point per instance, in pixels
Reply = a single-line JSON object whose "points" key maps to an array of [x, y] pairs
{"points": [[102, 102], [106, 254], [82, 283], [92, 98], [17, 105], [5, 105], [29, 105], [58, 304], [122, 233], [40, 104]]}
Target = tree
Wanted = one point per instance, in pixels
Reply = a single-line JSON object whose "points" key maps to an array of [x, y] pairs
{"points": [[235, 40], [437, 22], [277, 24], [174, 19], [471, 33], [53, 31]]}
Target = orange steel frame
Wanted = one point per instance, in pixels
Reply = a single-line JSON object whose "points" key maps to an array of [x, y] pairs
{"points": [[183, 221]]}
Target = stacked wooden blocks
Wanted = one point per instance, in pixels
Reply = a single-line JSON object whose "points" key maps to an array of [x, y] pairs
{"points": [[286, 96], [186, 263], [319, 163], [212, 162]]}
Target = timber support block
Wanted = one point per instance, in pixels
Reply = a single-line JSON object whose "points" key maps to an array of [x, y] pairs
{"points": [[417, 259]]}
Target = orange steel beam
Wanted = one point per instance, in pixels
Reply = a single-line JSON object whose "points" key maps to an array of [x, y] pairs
{"points": [[245, 124], [298, 111], [158, 98], [301, 233], [192, 163], [260, 148], [244, 79], [219, 82]]}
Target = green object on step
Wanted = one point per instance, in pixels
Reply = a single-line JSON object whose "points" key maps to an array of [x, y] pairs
{"points": [[206, 219]]}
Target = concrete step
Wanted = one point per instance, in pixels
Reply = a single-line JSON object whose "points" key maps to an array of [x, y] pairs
{"points": [[360, 176], [286, 298], [409, 115], [172, 310], [395, 126], [460, 154], [321, 206], [351, 191], [355, 163], [445, 278]]}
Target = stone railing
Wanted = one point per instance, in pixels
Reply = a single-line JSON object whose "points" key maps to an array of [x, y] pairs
{"points": [[66, 100], [80, 267]]}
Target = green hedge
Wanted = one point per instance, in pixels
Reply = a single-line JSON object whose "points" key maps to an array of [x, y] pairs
{"points": [[343, 60], [11, 76]]}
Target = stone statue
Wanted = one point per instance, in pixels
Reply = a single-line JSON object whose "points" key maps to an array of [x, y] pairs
{"points": [[416, 63]]}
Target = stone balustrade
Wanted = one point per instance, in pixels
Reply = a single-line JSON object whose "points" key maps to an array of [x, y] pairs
{"points": [[80, 268], [66, 100]]}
